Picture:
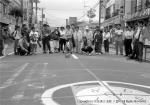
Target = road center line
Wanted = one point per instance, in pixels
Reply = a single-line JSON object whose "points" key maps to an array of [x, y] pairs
{"points": [[101, 83]]}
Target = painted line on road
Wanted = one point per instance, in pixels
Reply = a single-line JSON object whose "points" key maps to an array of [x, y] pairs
{"points": [[20, 92], [6, 55], [11, 79], [74, 56], [101, 83], [47, 96]]}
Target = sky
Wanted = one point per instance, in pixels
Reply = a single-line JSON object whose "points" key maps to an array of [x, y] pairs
{"points": [[57, 11]]}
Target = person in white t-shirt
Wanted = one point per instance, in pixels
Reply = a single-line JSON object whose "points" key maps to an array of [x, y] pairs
{"points": [[106, 38], [128, 34], [33, 40], [119, 40]]}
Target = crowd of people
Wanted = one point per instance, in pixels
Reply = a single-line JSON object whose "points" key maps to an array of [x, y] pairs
{"points": [[128, 41]]}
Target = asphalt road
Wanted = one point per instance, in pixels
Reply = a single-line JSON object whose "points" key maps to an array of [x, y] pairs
{"points": [[53, 79]]}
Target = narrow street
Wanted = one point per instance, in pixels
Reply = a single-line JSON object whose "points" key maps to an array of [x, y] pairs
{"points": [[52, 79]]}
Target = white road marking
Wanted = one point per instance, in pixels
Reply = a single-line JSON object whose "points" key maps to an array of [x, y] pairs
{"points": [[47, 96], [74, 56], [6, 55], [11, 80], [28, 77], [101, 83]]}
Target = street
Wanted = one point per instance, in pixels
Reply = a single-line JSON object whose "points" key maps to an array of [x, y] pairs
{"points": [[52, 79]]}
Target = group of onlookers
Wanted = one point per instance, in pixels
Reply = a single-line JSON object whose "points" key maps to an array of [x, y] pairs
{"points": [[129, 40]]}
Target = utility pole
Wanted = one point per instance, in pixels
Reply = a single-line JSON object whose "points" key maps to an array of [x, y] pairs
{"points": [[42, 16], [36, 9], [99, 13], [22, 18]]}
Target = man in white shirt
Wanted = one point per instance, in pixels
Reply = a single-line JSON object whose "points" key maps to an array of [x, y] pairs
{"points": [[119, 40], [128, 40], [106, 38]]}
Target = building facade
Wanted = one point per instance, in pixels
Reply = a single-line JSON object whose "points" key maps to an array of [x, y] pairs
{"points": [[125, 11]]}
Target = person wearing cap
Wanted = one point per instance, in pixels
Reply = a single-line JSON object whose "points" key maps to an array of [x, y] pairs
{"points": [[46, 38], [89, 35]]}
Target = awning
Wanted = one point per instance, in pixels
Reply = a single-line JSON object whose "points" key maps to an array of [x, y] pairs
{"points": [[111, 21]]}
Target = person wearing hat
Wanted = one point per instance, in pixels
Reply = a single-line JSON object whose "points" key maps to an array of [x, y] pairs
{"points": [[89, 35]]}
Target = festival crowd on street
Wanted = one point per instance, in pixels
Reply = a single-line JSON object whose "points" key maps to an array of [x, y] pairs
{"points": [[128, 41]]}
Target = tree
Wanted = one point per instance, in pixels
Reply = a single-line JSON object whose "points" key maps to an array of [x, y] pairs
{"points": [[16, 12]]}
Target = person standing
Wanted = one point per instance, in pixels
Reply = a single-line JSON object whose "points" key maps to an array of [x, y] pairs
{"points": [[98, 40], [56, 37], [1, 41], [89, 35], [128, 34], [17, 35], [119, 40], [62, 41], [78, 39], [69, 35], [33, 40], [46, 38], [106, 37], [136, 36]]}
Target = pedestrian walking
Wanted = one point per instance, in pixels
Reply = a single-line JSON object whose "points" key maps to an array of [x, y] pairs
{"points": [[46, 38], [119, 40], [98, 40], [106, 39]]}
